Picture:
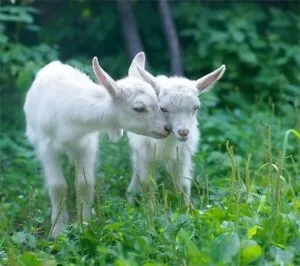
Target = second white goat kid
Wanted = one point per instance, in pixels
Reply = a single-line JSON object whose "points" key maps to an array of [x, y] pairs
{"points": [[179, 101], [64, 111]]}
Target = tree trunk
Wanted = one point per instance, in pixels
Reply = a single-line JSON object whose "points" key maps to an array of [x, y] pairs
{"points": [[171, 36], [129, 28]]}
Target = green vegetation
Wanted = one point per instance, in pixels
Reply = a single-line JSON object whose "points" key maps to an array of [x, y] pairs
{"points": [[246, 196]]}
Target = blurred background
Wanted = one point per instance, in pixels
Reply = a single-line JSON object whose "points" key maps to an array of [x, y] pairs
{"points": [[257, 40]]}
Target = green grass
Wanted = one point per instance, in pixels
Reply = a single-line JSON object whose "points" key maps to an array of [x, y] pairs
{"points": [[245, 201]]}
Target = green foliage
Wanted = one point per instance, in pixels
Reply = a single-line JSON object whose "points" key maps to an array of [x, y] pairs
{"points": [[231, 222], [259, 47], [246, 206], [20, 62]]}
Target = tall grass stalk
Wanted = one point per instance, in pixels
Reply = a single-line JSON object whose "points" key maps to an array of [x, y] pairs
{"points": [[206, 189], [270, 161], [62, 202], [98, 208], [247, 176], [149, 201], [32, 199], [233, 169], [1, 207], [79, 204], [278, 186], [294, 183]]}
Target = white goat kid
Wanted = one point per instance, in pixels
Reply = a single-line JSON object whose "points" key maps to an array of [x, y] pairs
{"points": [[64, 111], [178, 100]]}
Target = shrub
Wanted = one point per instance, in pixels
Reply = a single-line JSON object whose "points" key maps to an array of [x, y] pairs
{"points": [[259, 47]]}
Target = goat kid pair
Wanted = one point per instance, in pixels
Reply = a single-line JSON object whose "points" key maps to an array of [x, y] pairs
{"points": [[65, 110]]}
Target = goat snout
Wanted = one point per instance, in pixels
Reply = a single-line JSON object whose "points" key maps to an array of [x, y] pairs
{"points": [[183, 132]]}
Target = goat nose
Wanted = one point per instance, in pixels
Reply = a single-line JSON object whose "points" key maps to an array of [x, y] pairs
{"points": [[168, 128], [183, 132]]}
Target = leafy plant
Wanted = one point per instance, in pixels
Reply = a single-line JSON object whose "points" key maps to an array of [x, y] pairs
{"points": [[259, 47]]}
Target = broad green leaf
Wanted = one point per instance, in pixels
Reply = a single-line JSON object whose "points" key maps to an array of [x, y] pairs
{"points": [[283, 257], [251, 252], [19, 237], [296, 133], [225, 247], [253, 230]]}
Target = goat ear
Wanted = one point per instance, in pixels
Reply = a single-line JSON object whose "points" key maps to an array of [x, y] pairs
{"points": [[204, 84], [146, 76], [139, 59], [105, 79]]}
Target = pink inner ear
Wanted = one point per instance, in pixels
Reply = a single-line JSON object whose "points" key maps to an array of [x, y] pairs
{"points": [[98, 72], [209, 80], [102, 79]]}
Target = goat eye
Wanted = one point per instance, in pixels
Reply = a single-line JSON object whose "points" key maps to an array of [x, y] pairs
{"points": [[140, 109], [164, 110], [196, 108]]}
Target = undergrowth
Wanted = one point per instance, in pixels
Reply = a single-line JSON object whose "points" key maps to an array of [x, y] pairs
{"points": [[245, 206]]}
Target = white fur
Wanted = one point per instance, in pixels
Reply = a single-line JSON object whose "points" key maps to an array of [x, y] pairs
{"points": [[179, 97], [64, 112]]}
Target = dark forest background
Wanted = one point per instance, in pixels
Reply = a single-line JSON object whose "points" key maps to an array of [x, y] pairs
{"points": [[257, 40]]}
